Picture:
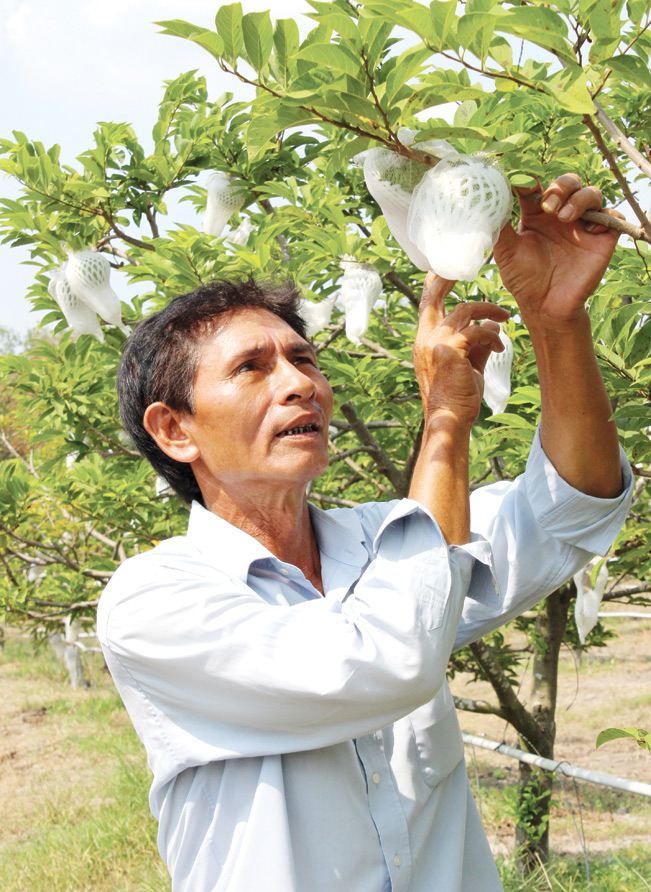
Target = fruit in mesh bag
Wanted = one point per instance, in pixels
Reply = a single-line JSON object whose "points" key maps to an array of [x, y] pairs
{"points": [[88, 274], [456, 213], [316, 315], [224, 199], [497, 377], [361, 286], [391, 180], [79, 316]]}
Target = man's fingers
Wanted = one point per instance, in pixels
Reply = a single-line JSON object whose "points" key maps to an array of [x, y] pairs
{"points": [[431, 311], [483, 336], [464, 314]]}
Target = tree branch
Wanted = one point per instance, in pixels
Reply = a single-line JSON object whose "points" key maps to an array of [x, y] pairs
{"points": [[620, 140], [478, 706], [363, 474], [379, 456], [382, 351], [514, 712], [400, 285]]}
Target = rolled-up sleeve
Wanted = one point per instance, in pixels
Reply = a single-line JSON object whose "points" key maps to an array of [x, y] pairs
{"points": [[540, 531]]}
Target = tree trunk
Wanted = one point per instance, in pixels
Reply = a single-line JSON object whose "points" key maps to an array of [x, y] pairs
{"points": [[535, 789]]}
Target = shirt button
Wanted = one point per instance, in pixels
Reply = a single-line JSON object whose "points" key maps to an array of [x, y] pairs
{"points": [[283, 571], [397, 860], [376, 778]]}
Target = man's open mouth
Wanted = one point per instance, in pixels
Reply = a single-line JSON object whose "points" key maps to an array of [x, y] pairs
{"points": [[303, 429]]}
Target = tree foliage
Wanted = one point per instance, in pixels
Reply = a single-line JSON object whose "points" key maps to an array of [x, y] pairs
{"points": [[544, 88]]}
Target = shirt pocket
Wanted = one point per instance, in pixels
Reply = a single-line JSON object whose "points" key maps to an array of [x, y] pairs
{"points": [[438, 740]]}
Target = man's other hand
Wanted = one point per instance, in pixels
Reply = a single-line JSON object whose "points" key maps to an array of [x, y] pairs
{"points": [[555, 260]]}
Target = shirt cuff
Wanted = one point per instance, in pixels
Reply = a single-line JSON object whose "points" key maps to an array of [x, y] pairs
{"points": [[567, 513]]}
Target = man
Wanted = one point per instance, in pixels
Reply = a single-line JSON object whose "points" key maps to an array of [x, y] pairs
{"points": [[285, 666]]}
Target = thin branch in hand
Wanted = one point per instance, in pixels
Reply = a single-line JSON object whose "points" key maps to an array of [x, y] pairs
{"points": [[613, 222]]}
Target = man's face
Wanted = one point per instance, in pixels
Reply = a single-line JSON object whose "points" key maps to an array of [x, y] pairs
{"points": [[262, 406]]}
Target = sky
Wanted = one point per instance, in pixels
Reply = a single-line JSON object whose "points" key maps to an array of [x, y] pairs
{"points": [[66, 65]]}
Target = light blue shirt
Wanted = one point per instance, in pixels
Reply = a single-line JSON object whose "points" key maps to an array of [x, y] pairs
{"points": [[302, 743]]}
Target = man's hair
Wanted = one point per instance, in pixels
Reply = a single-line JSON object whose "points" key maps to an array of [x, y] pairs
{"points": [[160, 360]]}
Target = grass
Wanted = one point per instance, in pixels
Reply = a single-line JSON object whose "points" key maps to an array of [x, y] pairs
{"points": [[78, 820], [628, 871]]}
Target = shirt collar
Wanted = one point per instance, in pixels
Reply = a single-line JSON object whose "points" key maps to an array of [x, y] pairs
{"points": [[339, 535]]}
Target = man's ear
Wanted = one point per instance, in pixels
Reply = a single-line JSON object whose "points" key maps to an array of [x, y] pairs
{"points": [[166, 426]]}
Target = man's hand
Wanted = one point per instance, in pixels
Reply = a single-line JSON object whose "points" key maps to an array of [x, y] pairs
{"points": [[450, 351], [554, 262], [551, 266], [449, 356]]}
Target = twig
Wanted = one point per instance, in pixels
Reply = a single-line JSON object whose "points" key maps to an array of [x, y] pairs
{"points": [[333, 500], [363, 474], [336, 331], [382, 351]]}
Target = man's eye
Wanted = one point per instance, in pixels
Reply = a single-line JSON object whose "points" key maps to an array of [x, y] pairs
{"points": [[302, 359]]}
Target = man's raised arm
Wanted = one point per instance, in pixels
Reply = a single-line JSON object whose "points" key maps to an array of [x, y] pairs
{"points": [[552, 265]]}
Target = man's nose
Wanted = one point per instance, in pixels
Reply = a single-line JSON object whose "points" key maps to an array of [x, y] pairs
{"points": [[295, 383]]}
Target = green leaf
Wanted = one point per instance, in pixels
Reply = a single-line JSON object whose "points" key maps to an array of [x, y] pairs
{"points": [[630, 68], [228, 21], [569, 88], [333, 57], [374, 34], [618, 733], [201, 36], [258, 38], [539, 25], [286, 43], [409, 15], [475, 32], [444, 22], [408, 65]]}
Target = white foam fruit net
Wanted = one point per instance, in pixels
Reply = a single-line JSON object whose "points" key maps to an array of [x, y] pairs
{"points": [[223, 200], [497, 377], [79, 316], [445, 218], [456, 213], [316, 315], [88, 273], [361, 286], [588, 599]]}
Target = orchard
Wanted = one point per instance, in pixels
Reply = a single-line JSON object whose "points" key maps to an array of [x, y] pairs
{"points": [[537, 90]]}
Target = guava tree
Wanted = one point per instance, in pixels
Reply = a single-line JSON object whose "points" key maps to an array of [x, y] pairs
{"points": [[542, 88]]}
